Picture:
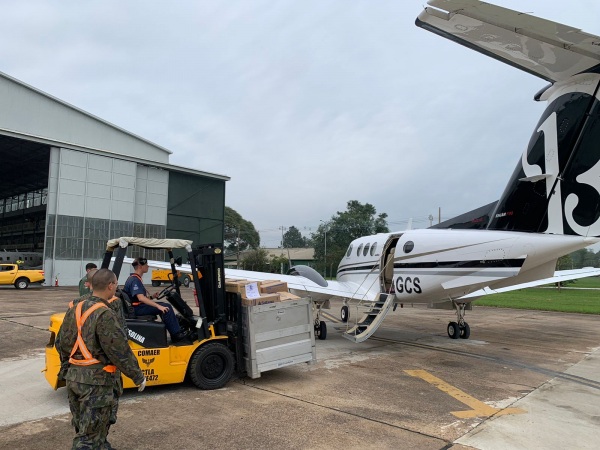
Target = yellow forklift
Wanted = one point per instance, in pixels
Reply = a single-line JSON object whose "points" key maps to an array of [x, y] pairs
{"points": [[210, 357]]}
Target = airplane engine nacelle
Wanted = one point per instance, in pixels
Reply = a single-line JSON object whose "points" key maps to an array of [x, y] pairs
{"points": [[308, 272]]}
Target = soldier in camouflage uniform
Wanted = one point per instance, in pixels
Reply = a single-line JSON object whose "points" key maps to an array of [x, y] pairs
{"points": [[117, 306], [86, 282], [93, 361], [84, 287]]}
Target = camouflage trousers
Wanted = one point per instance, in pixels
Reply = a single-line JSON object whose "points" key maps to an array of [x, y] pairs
{"points": [[117, 392], [91, 407]]}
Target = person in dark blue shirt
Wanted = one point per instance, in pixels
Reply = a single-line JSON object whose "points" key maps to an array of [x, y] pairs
{"points": [[144, 305]]}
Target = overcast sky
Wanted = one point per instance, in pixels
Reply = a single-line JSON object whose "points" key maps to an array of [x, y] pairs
{"points": [[304, 104]]}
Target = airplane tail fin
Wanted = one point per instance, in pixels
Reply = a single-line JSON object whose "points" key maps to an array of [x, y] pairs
{"points": [[555, 187]]}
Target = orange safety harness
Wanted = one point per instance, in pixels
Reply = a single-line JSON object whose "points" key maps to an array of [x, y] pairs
{"points": [[140, 278], [88, 360], [109, 301]]}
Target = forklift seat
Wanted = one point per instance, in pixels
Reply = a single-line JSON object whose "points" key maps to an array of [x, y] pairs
{"points": [[129, 310]]}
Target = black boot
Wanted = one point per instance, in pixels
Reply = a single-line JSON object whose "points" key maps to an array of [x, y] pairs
{"points": [[181, 336]]}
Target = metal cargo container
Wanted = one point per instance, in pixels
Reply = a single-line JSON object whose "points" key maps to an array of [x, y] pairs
{"points": [[278, 335]]}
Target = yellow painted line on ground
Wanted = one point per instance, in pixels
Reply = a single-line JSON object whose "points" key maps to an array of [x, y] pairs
{"points": [[478, 408]]}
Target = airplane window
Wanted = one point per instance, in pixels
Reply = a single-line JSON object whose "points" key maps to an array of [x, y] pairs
{"points": [[366, 250], [359, 250], [408, 247], [349, 251], [373, 247]]}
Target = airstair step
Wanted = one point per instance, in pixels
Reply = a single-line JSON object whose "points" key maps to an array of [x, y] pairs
{"points": [[371, 320]]}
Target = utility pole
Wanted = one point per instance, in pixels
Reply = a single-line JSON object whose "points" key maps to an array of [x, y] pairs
{"points": [[288, 250], [237, 244], [326, 224]]}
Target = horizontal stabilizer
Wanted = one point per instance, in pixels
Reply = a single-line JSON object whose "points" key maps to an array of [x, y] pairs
{"points": [[559, 276], [535, 178], [547, 49]]}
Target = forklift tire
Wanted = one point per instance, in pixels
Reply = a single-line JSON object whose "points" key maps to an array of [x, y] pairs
{"points": [[155, 283], [186, 281], [211, 366]]}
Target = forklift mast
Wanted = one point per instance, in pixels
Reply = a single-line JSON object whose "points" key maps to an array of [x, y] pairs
{"points": [[210, 289]]}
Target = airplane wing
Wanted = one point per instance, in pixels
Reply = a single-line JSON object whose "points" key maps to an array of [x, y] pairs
{"points": [[559, 275], [547, 49], [298, 285], [303, 287]]}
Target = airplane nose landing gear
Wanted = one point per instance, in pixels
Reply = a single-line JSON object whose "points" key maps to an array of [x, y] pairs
{"points": [[460, 328], [345, 313]]}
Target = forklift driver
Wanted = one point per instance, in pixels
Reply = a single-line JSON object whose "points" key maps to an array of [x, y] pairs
{"points": [[144, 305]]}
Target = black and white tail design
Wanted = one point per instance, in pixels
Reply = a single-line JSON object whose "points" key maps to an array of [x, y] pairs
{"points": [[555, 187]]}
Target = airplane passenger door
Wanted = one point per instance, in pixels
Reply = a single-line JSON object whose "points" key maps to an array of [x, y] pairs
{"points": [[386, 274]]}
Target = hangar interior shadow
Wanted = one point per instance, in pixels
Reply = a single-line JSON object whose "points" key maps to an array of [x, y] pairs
{"points": [[23, 194]]}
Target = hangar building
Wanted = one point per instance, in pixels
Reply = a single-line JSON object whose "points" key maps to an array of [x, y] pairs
{"points": [[71, 181]]}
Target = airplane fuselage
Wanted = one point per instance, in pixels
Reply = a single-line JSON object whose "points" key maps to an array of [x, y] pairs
{"points": [[430, 265]]}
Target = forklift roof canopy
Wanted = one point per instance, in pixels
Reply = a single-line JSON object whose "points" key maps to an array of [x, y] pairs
{"points": [[148, 243]]}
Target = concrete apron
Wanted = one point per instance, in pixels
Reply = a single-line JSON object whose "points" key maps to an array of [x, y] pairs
{"points": [[560, 414]]}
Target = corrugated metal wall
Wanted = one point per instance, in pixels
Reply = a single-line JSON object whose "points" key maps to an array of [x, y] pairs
{"points": [[94, 198], [31, 112], [196, 208]]}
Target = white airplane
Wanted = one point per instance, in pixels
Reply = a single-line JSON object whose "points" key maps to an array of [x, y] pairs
{"points": [[550, 207]]}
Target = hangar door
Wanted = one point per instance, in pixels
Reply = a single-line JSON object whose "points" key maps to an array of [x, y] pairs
{"points": [[93, 198], [23, 194]]}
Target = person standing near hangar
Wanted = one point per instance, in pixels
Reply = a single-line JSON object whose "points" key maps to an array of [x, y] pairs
{"points": [[84, 286], [93, 341], [115, 304]]}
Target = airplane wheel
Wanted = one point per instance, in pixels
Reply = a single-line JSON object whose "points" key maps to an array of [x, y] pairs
{"points": [[155, 283], [465, 331], [211, 366], [453, 330], [345, 313], [322, 331]]}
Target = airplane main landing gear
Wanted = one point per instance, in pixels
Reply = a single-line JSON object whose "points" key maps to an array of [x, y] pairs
{"points": [[460, 328], [320, 329], [320, 325]]}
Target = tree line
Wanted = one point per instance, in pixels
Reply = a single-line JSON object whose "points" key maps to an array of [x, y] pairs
{"points": [[330, 241]]}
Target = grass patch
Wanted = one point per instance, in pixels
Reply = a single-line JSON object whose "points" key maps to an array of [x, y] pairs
{"points": [[583, 301], [589, 282]]}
